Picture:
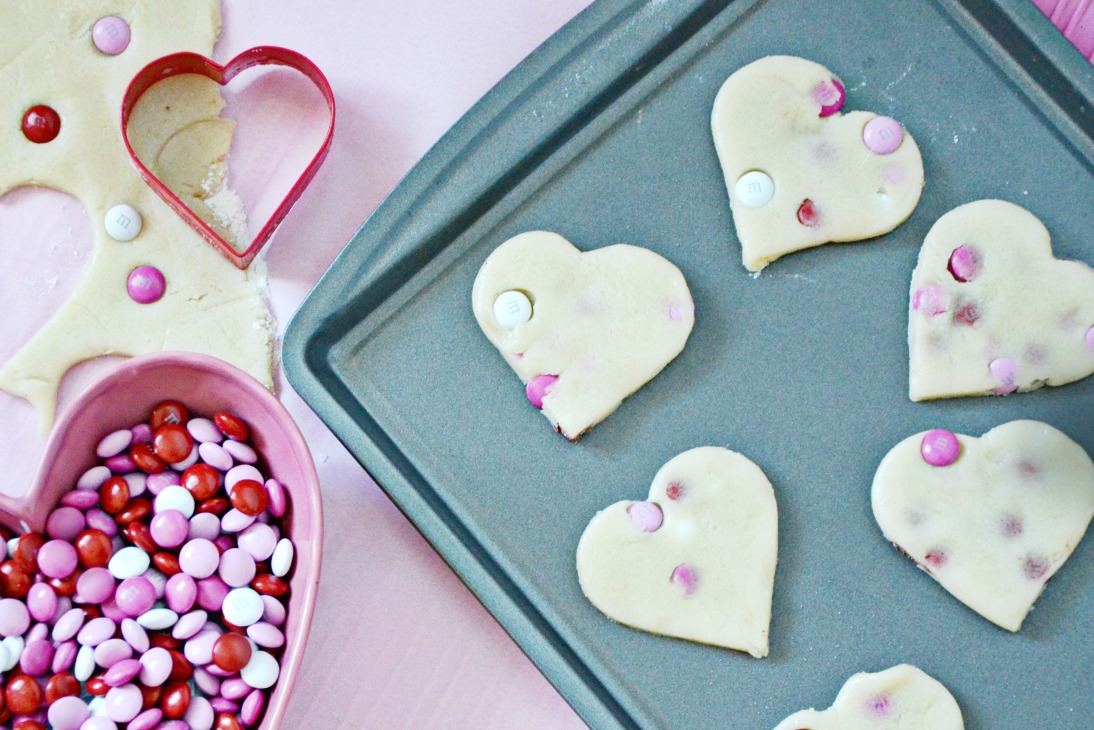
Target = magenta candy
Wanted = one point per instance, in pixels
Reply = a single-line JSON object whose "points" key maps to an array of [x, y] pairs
{"points": [[685, 576], [234, 688], [258, 541], [252, 707], [278, 500], [95, 585], [273, 610], [68, 713], [965, 263], [65, 523], [134, 596], [156, 666], [220, 704], [64, 656], [882, 135], [14, 617], [121, 464], [122, 672], [199, 558], [112, 651], [169, 528], [81, 499], [237, 567], [940, 447], [42, 602], [189, 625], [156, 483], [211, 593], [147, 720], [180, 592], [538, 388], [831, 96], [37, 657], [96, 631], [69, 623], [646, 516], [142, 433], [146, 284], [123, 703], [93, 478], [100, 520], [57, 559], [204, 525], [135, 635], [931, 301]]}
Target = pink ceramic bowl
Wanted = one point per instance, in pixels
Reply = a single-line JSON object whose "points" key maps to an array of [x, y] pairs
{"points": [[205, 385]]}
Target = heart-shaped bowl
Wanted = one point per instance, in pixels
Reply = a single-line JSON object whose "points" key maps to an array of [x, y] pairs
{"points": [[205, 385]]}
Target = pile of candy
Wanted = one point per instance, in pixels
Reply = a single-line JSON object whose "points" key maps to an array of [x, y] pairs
{"points": [[155, 598]]}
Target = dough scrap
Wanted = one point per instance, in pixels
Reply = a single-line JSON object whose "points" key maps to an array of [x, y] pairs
{"points": [[605, 322], [997, 523], [900, 698], [210, 306], [1020, 308], [706, 572], [766, 117]]}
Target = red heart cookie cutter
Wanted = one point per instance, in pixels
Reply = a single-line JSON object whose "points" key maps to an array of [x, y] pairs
{"points": [[193, 63]]}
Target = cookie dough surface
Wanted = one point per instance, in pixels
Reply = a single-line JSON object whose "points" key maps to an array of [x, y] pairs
{"points": [[826, 184], [995, 525], [209, 306], [696, 560], [991, 311], [602, 323], [900, 698]]}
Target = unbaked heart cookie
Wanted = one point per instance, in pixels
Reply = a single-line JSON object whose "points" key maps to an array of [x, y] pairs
{"points": [[799, 173], [582, 330], [900, 698], [992, 311], [990, 518], [696, 560]]}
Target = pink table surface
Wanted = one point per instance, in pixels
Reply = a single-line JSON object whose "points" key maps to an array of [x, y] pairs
{"points": [[397, 640]]}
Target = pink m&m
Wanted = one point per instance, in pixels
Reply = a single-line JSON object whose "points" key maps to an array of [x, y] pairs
{"points": [[940, 447], [111, 35], [646, 516], [538, 387], [830, 95], [146, 284], [964, 263], [1005, 370], [883, 135]]}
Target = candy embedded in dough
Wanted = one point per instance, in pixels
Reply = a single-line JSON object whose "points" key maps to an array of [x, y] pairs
{"points": [[900, 698], [799, 173], [696, 560], [209, 306], [997, 522], [582, 330], [991, 311]]}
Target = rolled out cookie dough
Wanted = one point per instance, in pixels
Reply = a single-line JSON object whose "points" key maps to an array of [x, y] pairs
{"points": [[900, 698], [209, 306], [812, 179], [594, 328], [696, 560], [995, 524], [991, 310]]}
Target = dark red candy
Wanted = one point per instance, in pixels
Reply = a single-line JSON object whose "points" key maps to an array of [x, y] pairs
{"points": [[14, 583], [25, 553], [94, 548], [41, 124], [231, 652], [23, 695], [201, 480], [144, 456], [231, 426], [172, 443], [217, 506], [61, 685], [270, 585], [137, 509], [168, 411], [176, 699], [249, 497], [114, 495]]}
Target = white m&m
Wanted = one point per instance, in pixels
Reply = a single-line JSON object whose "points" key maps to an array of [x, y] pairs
{"points": [[755, 189], [123, 222], [512, 308]]}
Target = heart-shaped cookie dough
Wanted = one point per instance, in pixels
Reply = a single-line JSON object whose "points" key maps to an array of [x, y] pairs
{"points": [[990, 518], [992, 311], [582, 330], [696, 560], [125, 397], [799, 173], [900, 698]]}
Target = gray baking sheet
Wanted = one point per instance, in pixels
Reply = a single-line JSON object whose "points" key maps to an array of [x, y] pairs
{"points": [[603, 136]]}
